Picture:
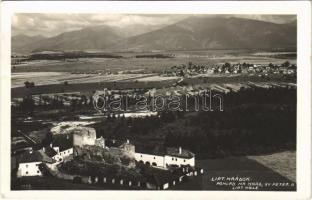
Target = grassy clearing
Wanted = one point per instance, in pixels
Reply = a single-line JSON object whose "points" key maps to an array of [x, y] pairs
{"points": [[46, 78], [114, 65], [283, 163]]}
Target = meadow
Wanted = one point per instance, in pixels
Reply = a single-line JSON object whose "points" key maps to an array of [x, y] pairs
{"points": [[129, 61]]}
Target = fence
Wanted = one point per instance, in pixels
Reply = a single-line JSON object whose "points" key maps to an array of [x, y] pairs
{"points": [[133, 184]]}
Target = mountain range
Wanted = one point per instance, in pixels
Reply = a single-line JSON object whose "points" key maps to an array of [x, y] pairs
{"points": [[193, 33]]}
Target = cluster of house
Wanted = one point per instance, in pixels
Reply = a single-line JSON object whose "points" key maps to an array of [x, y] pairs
{"points": [[169, 157], [62, 147], [227, 68], [255, 68], [29, 162]]}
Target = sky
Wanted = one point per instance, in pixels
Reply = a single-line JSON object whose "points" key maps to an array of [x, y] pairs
{"points": [[49, 25]]}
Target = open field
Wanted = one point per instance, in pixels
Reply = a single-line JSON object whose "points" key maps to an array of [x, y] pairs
{"points": [[113, 65], [152, 65], [86, 88], [89, 74], [218, 83], [48, 78], [283, 163]]}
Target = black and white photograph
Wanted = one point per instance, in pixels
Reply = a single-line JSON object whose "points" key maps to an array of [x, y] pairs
{"points": [[147, 101]]}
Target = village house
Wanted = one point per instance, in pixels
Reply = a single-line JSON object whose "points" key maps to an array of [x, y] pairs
{"points": [[168, 166], [29, 163], [170, 157], [156, 157], [63, 146]]}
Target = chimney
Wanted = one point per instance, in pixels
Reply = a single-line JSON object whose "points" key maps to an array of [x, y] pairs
{"points": [[128, 141], [31, 151], [180, 150], [43, 148], [51, 145]]}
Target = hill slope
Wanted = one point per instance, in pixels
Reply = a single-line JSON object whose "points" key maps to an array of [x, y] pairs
{"points": [[85, 39], [216, 33], [19, 42], [189, 34]]}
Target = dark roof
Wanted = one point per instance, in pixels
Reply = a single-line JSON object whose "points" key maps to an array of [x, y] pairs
{"points": [[35, 156], [172, 151], [150, 149], [63, 141], [50, 151], [45, 157]]}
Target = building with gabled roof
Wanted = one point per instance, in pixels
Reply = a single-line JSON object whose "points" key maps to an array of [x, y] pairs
{"points": [[29, 163], [165, 157], [63, 145]]}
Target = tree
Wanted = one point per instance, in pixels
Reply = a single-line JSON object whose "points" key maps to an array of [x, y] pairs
{"points": [[286, 64], [293, 66], [227, 65], [28, 104], [190, 64], [27, 84]]}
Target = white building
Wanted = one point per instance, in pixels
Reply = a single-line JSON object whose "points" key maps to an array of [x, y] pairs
{"points": [[171, 157], [63, 146], [29, 163], [60, 148]]}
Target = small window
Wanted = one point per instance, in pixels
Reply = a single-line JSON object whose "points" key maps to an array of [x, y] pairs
{"points": [[172, 158], [176, 159], [184, 160], [154, 158], [38, 172], [26, 172], [141, 156]]}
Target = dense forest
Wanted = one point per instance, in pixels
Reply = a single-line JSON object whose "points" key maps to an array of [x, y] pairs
{"points": [[254, 121]]}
